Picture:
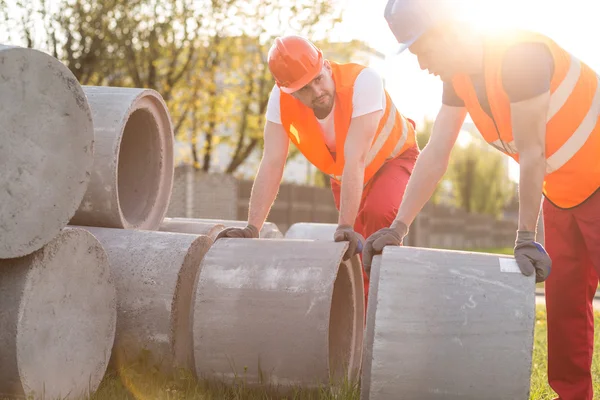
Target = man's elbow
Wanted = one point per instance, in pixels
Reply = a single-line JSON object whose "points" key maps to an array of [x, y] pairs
{"points": [[532, 157]]}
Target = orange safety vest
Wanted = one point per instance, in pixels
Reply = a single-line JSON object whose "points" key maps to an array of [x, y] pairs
{"points": [[572, 128], [395, 134]]}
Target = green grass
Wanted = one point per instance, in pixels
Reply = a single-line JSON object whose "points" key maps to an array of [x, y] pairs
{"points": [[133, 384], [139, 382], [540, 390], [153, 386]]}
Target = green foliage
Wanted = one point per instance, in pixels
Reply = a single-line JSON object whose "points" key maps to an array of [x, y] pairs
{"points": [[479, 179], [477, 175], [207, 58]]}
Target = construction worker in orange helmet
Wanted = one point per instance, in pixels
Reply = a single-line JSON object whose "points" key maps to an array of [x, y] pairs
{"points": [[344, 122], [537, 103]]}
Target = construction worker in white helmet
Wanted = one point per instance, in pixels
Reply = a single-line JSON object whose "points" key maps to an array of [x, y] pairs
{"points": [[538, 104]]}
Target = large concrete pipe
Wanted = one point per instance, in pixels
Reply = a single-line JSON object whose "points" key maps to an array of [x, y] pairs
{"points": [[311, 230], [278, 312], [46, 149], [133, 169], [155, 274], [209, 229], [57, 318], [268, 231], [447, 325]]}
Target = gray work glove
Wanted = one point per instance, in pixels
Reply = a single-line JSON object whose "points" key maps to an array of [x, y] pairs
{"points": [[391, 236], [249, 232], [531, 256], [356, 241]]}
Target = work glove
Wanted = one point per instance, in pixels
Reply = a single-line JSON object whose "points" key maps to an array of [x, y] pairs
{"points": [[391, 236], [356, 241], [249, 232], [531, 256]]}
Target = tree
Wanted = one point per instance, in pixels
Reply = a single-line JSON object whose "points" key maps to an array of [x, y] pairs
{"points": [[423, 133], [479, 179], [206, 58]]}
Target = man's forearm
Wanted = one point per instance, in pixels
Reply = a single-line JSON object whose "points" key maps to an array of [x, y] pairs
{"points": [[265, 188], [529, 132], [426, 175], [531, 180], [351, 192]]}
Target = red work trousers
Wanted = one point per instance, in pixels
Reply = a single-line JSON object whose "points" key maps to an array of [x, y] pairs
{"points": [[381, 198], [572, 239]]}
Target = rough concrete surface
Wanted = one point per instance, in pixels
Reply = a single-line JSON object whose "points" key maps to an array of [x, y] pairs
{"points": [[155, 274], [133, 169], [281, 312], [311, 230], [46, 149], [448, 325], [209, 229], [268, 231], [57, 318]]}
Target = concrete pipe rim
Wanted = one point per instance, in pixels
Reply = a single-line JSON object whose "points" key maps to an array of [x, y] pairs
{"points": [[344, 347], [134, 164]]}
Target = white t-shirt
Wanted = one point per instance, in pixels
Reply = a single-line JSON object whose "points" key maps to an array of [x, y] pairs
{"points": [[368, 96]]}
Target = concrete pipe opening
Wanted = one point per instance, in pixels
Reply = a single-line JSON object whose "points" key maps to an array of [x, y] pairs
{"points": [[132, 177], [341, 326], [138, 172]]}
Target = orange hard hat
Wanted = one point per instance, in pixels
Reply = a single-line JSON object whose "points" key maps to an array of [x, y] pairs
{"points": [[294, 62]]}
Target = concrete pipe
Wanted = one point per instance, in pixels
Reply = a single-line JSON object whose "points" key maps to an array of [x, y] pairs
{"points": [[57, 319], [193, 227], [155, 274], [278, 312], [133, 169], [447, 325], [268, 231], [46, 149], [310, 230]]}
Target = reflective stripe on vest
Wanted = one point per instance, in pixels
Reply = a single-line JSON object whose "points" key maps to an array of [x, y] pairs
{"points": [[557, 100], [382, 138]]}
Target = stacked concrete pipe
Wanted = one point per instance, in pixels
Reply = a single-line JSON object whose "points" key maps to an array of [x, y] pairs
{"points": [[278, 312], [133, 169], [311, 230], [46, 149], [155, 274], [268, 231], [195, 227], [57, 314], [447, 325]]}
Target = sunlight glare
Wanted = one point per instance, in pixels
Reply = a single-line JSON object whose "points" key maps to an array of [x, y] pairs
{"points": [[493, 15]]}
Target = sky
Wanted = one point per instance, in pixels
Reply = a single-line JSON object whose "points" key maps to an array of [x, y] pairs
{"points": [[572, 24]]}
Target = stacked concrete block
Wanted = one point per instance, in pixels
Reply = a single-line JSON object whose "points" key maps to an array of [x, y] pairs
{"points": [[278, 312], [268, 231], [196, 227], [57, 318], [46, 149], [447, 325], [155, 274], [133, 168]]}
